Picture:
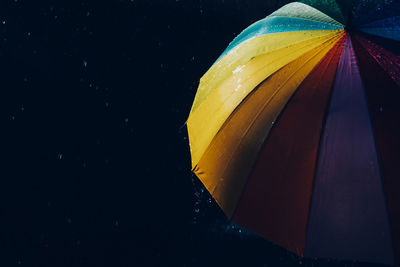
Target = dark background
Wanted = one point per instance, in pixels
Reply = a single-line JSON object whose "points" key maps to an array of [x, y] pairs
{"points": [[95, 166]]}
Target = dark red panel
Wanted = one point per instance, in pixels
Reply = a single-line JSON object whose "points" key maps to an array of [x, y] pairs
{"points": [[275, 203], [383, 97], [386, 59], [389, 44]]}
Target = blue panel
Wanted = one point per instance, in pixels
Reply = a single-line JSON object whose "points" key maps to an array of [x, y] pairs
{"points": [[393, 22], [387, 11], [388, 28], [393, 34]]}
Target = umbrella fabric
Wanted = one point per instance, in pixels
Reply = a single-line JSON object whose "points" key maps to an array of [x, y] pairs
{"points": [[348, 217], [294, 129]]}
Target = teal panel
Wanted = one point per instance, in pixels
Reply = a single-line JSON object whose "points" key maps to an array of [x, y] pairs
{"points": [[274, 25]]}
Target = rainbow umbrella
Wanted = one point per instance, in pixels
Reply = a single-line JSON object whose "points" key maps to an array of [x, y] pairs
{"points": [[295, 129]]}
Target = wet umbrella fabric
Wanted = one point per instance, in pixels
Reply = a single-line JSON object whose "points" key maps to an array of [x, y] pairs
{"points": [[294, 130]]}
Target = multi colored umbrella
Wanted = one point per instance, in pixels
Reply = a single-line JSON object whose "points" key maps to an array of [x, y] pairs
{"points": [[295, 129]]}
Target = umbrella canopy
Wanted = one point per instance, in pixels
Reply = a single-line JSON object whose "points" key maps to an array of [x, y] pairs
{"points": [[295, 129]]}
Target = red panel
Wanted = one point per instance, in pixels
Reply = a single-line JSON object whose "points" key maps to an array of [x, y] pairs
{"points": [[276, 200], [383, 96]]}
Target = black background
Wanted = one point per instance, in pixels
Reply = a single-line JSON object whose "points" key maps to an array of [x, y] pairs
{"points": [[95, 166]]}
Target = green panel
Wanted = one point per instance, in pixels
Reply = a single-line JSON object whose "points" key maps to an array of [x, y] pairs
{"points": [[346, 7], [303, 11], [329, 7]]}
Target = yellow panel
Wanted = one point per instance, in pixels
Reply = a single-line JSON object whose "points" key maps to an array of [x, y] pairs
{"points": [[204, 123], [227, 162], [243, 53]]}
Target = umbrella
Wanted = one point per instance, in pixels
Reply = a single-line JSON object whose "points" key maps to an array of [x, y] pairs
{"points": [[294, 130]]}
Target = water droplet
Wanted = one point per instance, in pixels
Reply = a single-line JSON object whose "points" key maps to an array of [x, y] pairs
{"points": [[238, 69]]}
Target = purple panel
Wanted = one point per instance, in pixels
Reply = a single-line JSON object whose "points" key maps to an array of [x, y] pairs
{"points": [[348, 217]]}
